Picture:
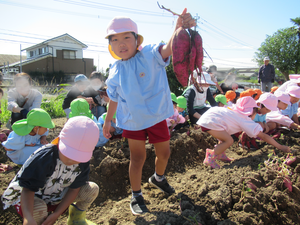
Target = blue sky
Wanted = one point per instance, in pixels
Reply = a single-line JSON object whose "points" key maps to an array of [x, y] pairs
{"points": [[232, 30]]}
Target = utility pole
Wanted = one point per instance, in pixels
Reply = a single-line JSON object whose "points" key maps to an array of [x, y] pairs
{"points": [[20, 58]]}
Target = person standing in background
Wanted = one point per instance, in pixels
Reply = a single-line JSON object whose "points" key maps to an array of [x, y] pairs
{"points": [[266, 75], [212, 70]]}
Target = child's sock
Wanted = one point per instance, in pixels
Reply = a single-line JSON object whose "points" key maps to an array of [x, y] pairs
{"points": [[136, 193], [159, 178]]}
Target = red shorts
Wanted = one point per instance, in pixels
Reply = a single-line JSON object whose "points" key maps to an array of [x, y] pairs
{"points": [[204, 129], [157, 133], [50, 208]]}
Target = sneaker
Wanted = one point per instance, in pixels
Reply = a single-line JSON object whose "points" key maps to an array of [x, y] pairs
{"points": [[137, 205], [163, 185]]}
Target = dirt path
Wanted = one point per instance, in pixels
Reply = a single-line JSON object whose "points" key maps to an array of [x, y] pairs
{"points": [[203, 196]]}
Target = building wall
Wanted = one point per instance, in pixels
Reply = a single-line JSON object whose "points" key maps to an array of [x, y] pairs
{"points": [[68, 66]]}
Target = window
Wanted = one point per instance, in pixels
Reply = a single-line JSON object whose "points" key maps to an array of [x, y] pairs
{"points": [[31, 53], [40, 51], [67, 54]]}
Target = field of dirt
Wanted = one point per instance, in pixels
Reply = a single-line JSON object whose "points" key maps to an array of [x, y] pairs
{"points": [[203, 195]]}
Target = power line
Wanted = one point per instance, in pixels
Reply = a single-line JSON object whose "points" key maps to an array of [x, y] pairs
{"points": [[218, 30], [92, 4]]}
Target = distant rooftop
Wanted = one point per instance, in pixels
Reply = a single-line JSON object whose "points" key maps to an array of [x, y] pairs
{"points": [[4, 58]]}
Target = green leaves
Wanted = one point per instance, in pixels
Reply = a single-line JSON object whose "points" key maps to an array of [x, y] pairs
{"points": [[283, 49]]}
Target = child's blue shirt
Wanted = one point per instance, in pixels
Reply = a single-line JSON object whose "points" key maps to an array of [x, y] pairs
{"points": [[260, 118], [17, 143], [140, 86], [102, 140], [290, 110], [183, 113]]}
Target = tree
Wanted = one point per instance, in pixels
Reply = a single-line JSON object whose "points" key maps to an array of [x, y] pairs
{"points": [[296, 22], [174, 84], [282, 49]]}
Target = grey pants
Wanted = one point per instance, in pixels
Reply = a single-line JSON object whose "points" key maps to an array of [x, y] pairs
{"points": [[264, 84]]}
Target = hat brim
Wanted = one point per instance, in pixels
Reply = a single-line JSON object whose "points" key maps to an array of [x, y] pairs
{"points": [[74, 154], [22, 128], [182, 106], [48, 125], [271, 107]]}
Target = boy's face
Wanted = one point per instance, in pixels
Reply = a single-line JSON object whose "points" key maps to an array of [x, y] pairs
{"points": [[40, 130], [67, 161], [264, 111], [124, 45], [180, 109], [294, 99], [281, 105]]}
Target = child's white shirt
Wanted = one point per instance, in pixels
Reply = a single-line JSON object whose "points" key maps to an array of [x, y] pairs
{"points": [[219, 119]]}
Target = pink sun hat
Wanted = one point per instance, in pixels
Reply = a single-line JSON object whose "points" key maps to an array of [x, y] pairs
{"points": [[78, 138], [294, 91], [282, 96], [245, 105], [295, 78], [120, 25], [269, 100]]}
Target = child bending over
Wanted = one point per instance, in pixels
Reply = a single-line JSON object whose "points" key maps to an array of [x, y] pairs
{"points": [[267, 102], [56, 176], [221, 123], [28, 135]]}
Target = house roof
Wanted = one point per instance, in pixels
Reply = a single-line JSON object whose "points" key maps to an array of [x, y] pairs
{"points": [[53, 39], [26, 61], [10, 58]]}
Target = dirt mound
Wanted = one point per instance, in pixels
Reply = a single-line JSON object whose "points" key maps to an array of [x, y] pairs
{"points": [[244, 191]]}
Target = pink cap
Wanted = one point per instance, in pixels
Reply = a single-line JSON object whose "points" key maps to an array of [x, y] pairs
{"points": [[294, 91], [282, 96], [269, 100], [245, 105], [295, 78], [78, 138]]}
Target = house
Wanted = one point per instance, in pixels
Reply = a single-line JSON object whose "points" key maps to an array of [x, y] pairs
{"points": [[63, 53], [6, 60], [248, 72]]}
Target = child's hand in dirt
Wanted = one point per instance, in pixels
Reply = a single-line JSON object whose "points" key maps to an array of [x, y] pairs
{"points": [[50, 219], [185, 20], [106, 130], [285, 149], [43, 140], [29, 221]]}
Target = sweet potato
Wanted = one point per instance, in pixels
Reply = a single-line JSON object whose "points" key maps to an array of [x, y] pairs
{"points": [[181, 51], [3, 137]]}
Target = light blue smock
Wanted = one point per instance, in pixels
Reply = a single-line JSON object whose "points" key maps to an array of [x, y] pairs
{"points": [[260, 118], [290, 110], [140, 86], [21, 152], [102, 140]]}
